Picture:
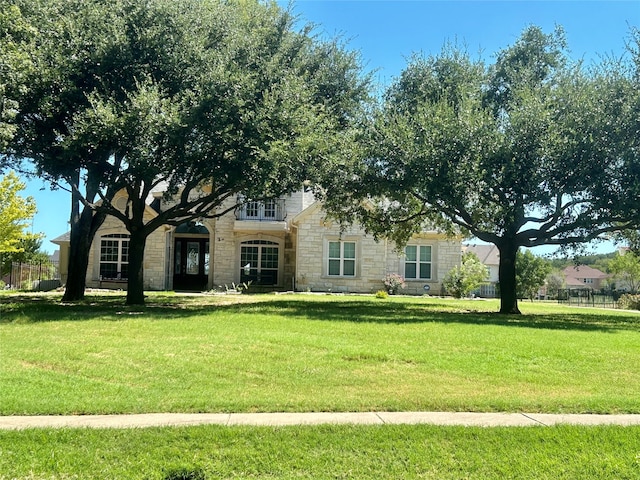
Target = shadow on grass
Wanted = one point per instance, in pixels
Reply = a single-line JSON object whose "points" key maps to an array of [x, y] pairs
{"points": [[48, 308]]}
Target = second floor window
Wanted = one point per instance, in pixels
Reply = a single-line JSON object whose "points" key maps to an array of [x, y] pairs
{"points": [[270, 210]]}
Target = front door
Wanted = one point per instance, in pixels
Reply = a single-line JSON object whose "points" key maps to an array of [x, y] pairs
{"points": [[191, 264]]}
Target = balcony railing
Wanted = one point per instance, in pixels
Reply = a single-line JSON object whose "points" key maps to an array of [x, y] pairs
{"points": [[262, 211]]}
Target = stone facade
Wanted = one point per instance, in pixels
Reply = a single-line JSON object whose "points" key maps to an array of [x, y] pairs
{"points": [[373, 259], [155, 257], [298, 242]]}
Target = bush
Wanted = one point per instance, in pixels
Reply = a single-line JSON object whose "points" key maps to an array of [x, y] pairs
{"points": [[382, 294], [629, 302], [393, 282], [461, 280]]}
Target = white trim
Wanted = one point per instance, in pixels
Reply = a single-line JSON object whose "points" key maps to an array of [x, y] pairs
{"points": [[356, 240], [419, 261]]}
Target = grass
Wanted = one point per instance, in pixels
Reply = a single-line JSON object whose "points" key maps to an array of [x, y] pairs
{"points": [[323, 452], [312, 353], [304, 353]]}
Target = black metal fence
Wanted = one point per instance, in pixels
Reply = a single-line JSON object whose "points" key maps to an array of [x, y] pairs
{"points": [[40, 276], [586, 297]]}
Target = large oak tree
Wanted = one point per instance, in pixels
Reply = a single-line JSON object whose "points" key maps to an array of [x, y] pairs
{"points": [[209, 99], [520, 153]]}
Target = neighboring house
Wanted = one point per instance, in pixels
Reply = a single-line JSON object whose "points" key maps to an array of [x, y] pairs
{"points": [[583, 276], [284, 244], [489, 256]]}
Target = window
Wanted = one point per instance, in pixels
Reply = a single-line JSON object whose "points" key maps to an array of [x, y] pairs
{"points": [[342, 259], [270, 209], [417, 262], [253, 209], [114, 256], [259, 262]]}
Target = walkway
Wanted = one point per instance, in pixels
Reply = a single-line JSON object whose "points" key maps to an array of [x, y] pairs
{"points": [[283, 419]]}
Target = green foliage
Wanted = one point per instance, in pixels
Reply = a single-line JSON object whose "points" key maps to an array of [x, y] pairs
{"points": [[463, 279], [555, 282], [28, 251], [625, 269], [629, 302], [531, 273], [16, 68], [596, 260], [382, 294], [215, 99], [520, 153], [15, 213]]}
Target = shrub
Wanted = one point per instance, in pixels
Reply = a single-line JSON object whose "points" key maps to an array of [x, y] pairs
{"points": [[461, 280], [629, 302], [382, 294], [393, 282]]}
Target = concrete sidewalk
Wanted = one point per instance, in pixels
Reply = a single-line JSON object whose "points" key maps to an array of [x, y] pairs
{"points": [[284, 419]]}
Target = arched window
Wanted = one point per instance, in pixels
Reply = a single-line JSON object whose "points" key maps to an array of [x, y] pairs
{"points": [[259, 261], [114, 256]]}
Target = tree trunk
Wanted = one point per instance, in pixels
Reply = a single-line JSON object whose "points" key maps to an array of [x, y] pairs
{"points": [[83, 228], [135, 282], [507, 277]]}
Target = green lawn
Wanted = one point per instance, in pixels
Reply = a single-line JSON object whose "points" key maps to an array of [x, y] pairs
{"points": [[323, 452], [312, 353], [305, 353]]}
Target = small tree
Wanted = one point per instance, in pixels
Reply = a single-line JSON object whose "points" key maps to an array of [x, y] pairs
{"points": [[15, 213], [626, 269], [462, 280], [531, 274], [29, 251], [555, 282]]}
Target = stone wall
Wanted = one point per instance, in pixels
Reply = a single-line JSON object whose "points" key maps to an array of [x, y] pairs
{"points": [[155, 257], [374, 260]]}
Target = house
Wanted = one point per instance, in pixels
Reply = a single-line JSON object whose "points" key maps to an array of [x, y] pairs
{"points": [[583, 276], [282, 244], [489, 256]]}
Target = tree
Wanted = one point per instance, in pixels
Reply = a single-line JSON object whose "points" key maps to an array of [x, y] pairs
{"points": [[626, 269], [15, 213], [28, 251], [625, 189], [462, 280], [555, 282], [70, 40], [531, 274], [226, 98], [520, 153], [16, 43]]}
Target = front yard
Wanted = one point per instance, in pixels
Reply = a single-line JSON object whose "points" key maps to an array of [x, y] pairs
{"points": [[273, 353], [265, 353]]}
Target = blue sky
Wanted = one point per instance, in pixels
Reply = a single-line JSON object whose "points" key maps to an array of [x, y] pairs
{"points": [[387, 33]]}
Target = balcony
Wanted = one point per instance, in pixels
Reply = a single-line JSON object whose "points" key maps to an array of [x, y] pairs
{"points": [[268, 215]]}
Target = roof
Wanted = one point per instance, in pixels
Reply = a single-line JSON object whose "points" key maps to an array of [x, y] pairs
{"points": [[64, 238], [488, 254], [583, 271]]}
